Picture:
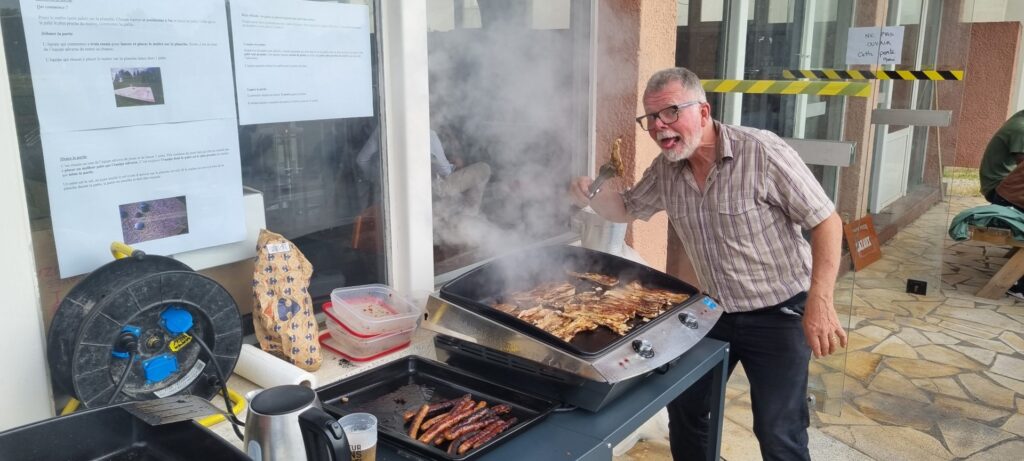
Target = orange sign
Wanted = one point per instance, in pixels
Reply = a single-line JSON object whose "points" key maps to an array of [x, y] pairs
{"points": [[863, 242]]}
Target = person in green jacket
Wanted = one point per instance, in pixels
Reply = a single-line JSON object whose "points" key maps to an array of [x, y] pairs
{"points": [[1002, 155], [1004, 151]]}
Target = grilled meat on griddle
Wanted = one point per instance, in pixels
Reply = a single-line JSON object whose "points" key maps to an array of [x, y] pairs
{"points": [[564, 310], [600, 279], [555, 293]]}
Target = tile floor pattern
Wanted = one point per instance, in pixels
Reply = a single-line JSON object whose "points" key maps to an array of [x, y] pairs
{"points": [[932, 377]]}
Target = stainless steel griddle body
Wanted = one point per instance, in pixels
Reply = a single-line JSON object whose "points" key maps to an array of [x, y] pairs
{"points": [[495, 350]]}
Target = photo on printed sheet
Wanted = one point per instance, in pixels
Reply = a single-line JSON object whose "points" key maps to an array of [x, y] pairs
{"points": [[154, 219], [137, 86]]}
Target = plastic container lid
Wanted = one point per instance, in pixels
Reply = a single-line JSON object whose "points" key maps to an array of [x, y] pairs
{"points": [[369, 310]]}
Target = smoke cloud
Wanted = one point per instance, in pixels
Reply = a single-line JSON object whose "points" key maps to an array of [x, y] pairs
{"points": [[504, 94]]}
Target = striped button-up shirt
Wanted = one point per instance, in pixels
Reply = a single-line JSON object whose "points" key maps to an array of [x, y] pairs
{"points": [[742, 233]]}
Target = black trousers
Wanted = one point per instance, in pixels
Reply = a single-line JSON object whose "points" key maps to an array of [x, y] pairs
{"points": [[994, 198], [770, 344]]}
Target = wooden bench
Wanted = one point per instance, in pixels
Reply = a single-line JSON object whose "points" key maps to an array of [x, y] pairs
{"points": [[1014, 267]]}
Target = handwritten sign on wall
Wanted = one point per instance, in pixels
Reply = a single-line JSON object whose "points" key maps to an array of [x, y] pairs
{"points": [[874, 45]]}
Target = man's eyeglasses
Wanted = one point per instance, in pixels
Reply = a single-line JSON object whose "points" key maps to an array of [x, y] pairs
{"points": [[667, 115]]}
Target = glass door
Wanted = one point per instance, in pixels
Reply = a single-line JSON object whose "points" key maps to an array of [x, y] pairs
{"points": [[772, 36], [894, 143]]}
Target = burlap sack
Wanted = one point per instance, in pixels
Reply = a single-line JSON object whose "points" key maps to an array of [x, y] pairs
{"points": [[283, 311]]}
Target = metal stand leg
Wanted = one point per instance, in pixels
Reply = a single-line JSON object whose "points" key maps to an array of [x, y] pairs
{"points": [[718, 379]]}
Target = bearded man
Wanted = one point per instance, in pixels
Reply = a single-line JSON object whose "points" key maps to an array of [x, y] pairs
{"points": [[738, 198]]}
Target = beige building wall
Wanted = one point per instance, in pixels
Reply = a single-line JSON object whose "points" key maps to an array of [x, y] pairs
{"points": [[656, 52], [988, 87], [617, 74], [635, 39]]}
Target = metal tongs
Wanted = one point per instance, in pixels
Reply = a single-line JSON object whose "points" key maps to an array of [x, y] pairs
{"points": [[610, 169]]}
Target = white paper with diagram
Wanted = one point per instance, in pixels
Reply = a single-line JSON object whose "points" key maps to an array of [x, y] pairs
{"points": [[181, 193], [86, 73]]}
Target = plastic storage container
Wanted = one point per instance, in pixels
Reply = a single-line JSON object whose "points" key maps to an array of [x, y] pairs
{"points": [[344, 342], [371, 310]]}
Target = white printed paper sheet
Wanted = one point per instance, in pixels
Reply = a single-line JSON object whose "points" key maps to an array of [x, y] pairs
{"points": [[301, 60], [103, 64], [162, 189]]}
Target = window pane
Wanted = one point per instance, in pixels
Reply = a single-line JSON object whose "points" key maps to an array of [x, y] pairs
{"points": [[773, 44], [698, 47], [711, 10], [315, 192], [509, 107]]}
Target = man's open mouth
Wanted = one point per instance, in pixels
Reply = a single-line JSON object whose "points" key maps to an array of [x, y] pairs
{"points": [[668, 142]]}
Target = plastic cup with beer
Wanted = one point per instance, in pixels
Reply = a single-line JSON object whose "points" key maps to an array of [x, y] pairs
{"points": [[361, 431]]}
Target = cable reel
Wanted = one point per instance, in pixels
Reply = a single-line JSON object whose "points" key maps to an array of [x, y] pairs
{"points": [[135, 329]]}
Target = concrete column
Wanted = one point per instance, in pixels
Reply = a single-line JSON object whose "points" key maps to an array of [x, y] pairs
{"points": [[656, 52], [635, 39], [618, 39]]}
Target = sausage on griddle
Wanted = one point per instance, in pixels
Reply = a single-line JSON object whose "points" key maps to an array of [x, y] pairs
{"points": [[480, 414], [418, 420], [430, 422], [453, 448], [434, 407], [437, 420], [468, 427], [462, 405], [479, 411], [486, 435], [480, 407], [468, 443], [501, 409], [443, 425]]}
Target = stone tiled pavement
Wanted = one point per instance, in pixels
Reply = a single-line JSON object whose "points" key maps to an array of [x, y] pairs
{"points": [[932, 377]]}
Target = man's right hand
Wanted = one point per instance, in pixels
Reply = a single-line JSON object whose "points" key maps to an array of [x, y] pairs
{"points": [[607, 203], [578, 190]]}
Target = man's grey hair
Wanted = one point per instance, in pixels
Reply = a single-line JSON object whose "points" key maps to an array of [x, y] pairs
{"points": [[687, 79]]}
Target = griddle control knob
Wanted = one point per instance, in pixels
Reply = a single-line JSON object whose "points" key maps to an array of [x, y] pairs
{"points": [[643, 348], [688, 319]]}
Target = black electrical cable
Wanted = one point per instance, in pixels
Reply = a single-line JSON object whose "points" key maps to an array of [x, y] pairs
{"points": [[223, 380], [235, 423], [124, 377], [126, 342]]}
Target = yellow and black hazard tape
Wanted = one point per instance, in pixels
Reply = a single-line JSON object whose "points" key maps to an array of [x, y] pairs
{"points": [[861, 90], [836, 74]]}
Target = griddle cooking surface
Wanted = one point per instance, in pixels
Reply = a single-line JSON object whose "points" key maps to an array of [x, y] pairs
{"points": [[477, 289]]}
